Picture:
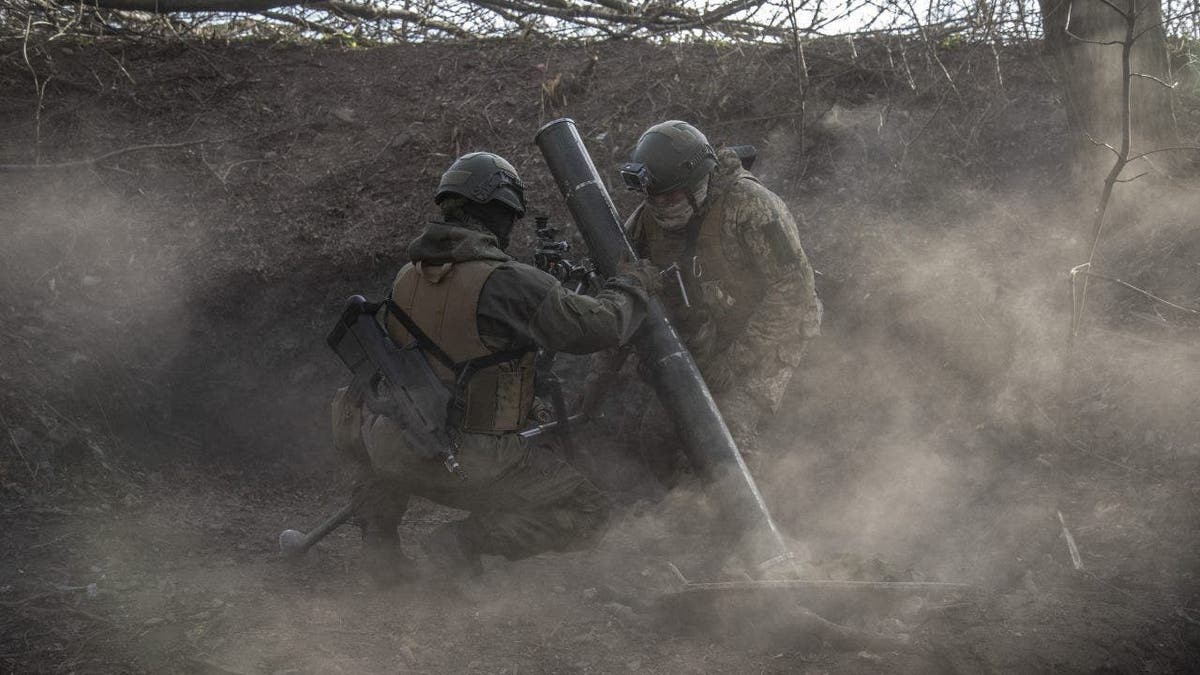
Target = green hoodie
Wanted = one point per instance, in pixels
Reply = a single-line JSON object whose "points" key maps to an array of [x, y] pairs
{"points": [[520, 305]]}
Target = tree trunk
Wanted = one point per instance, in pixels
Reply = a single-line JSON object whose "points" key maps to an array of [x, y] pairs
{"points": [[1090, 74]]}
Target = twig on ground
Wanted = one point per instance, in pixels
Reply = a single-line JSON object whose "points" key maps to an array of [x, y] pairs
{"points": [[1076, 560], [213, 668], [10, 168], [1079, 447], [17, 446], [83, 613], [229, 169], [52, 541], [16, 604], [845, 636]]}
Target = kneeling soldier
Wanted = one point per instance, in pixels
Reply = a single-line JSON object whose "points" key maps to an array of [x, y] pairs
{"points": [[744, 300], [475, 302]]}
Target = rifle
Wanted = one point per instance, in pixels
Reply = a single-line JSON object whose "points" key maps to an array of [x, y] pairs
{"points": [[397, 381]]}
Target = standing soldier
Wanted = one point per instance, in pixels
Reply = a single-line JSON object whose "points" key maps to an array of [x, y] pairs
{"points": [[745, 302], [475, 302]]}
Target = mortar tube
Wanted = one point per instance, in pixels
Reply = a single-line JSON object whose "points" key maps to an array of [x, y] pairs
{"points": [[676, 379]]}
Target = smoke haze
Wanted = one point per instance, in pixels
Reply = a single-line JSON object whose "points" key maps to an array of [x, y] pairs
{"points": [[169, 308]]}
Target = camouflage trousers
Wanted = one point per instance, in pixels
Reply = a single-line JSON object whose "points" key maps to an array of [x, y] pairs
{"points": [[746, 404], [523, 499]]}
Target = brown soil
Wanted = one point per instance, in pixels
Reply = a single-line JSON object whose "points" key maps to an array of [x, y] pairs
{"points": [[163, 315]]}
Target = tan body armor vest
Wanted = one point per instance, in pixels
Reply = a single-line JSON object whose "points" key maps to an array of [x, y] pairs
{"points": [[443, 301]]}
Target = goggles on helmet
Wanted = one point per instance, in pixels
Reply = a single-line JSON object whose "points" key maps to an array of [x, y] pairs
{"points": [[637, 176]]}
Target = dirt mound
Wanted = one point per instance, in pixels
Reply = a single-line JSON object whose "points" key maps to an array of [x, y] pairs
{"points": [[289, 177], [164, 310]]}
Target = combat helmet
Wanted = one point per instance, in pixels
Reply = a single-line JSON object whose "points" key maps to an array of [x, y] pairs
{"points": [[669, 156], [483, 177]]}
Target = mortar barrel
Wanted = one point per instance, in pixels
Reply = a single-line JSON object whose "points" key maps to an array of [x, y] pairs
{"points": [[676, 379]]}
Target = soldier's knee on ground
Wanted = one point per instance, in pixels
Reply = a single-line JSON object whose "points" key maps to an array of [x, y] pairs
{"points": [[577, 521]]}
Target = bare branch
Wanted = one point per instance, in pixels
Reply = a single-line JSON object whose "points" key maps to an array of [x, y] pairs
{"points": [[1159, 24], [300, 22], [616, 5], [1102, 144], [1148, 294], [1158, 150], [1130, 180], [1124, 15], [1086, 41], [13, 168], [593, 15], [170, 6], [373, 13], [1155, 79], [1071, 34]]}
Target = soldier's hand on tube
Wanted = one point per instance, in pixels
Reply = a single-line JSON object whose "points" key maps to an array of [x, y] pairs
{"points": [[649, 275]]}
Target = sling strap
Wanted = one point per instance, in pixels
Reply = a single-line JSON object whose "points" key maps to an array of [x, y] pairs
{"points": [[463, 370]]}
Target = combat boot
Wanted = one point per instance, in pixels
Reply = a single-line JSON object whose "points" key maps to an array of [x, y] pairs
{"points": [[451, 553], [383, 559]]}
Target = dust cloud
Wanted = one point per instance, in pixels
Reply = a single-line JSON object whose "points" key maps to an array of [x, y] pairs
{"points": [[934, 420], [928, 435], [95, 312]]}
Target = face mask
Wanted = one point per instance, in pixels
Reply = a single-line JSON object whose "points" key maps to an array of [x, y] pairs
{"points": [[671, 217], [675, 214]]}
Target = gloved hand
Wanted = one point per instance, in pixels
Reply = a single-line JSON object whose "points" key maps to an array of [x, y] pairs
{"points": [[644, 271]]}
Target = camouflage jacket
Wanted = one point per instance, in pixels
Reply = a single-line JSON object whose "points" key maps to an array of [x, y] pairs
{"points": [[748, 281]]}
